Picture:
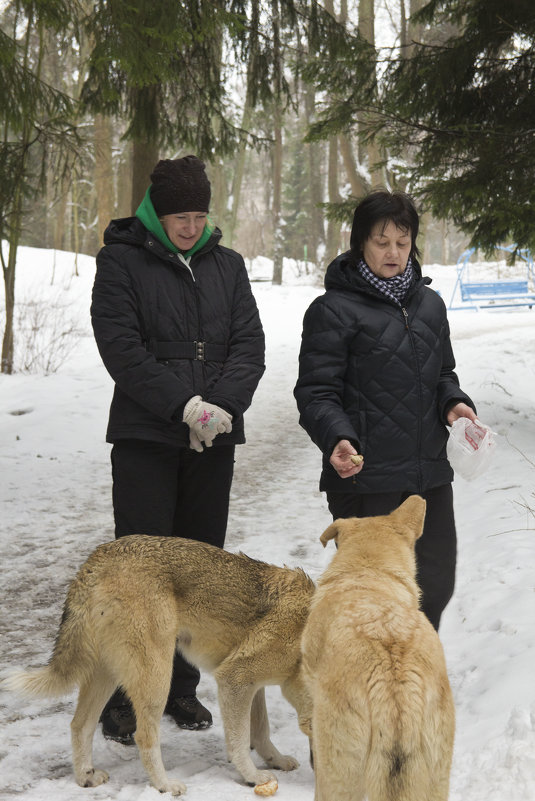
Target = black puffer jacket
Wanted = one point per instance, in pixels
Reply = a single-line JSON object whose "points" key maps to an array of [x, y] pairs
{"points": [[149, 308], [381, 377]]}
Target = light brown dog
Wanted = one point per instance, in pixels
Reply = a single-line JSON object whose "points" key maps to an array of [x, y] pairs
{"points": [[383, 716], [134, 601]]}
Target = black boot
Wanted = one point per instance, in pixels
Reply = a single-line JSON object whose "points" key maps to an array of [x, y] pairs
{"points": [[188, 712], [119, 719]]}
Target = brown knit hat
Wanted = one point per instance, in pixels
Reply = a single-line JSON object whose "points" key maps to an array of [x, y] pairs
{"points": [[179, 185]]}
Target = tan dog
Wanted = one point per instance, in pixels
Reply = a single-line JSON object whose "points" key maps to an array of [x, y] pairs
{"points": [[138, 598], [383, 719]]}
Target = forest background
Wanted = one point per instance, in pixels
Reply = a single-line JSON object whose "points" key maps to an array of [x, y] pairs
{"points": [[298, 108]]}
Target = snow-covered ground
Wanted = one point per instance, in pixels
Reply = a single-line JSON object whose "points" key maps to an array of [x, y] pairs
{"points": [[56, 507]]}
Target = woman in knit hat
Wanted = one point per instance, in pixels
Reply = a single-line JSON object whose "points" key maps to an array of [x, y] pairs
{"points": [[178, 330]]}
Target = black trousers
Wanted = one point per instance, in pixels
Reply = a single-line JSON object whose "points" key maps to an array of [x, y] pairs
{"points": [[436, 550], [172, 492]]}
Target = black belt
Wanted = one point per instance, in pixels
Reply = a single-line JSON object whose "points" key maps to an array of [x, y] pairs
{"points": [[199, 351]]}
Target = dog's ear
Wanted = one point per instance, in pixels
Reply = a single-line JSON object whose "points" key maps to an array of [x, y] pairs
{"points": [[411, 514], [330, 533]]}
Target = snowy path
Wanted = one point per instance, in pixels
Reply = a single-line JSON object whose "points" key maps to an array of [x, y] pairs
{"points": [[56, 507]]}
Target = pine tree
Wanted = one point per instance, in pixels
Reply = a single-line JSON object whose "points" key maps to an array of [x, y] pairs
{"points": [[155, 65], [468, 105], [461, 101], [297, 206], [35, 119]]}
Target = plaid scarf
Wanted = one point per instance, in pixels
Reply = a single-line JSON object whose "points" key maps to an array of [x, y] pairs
{"points": [[394, 288]]}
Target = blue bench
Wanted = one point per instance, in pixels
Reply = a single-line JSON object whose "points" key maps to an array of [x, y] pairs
{"points": [[493, 289], [491, 294]]}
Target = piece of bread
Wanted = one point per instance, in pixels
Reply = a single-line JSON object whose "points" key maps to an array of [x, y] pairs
{"points": [[268, 788], [356, 458]]}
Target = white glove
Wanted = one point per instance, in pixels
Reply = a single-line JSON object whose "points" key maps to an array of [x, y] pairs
{"points": [[205, 421]]}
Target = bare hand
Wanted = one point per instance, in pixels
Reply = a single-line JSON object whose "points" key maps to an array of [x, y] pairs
{"points": [[460, 410], [341, 459]]}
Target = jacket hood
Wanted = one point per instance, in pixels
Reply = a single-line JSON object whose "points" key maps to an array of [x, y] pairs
{"points": [[131, 231], [147, 214], [343, 274], [125, 231]]}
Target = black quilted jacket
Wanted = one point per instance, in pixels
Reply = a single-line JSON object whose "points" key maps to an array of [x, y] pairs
{"points": [[380, 376], [149, 308]]}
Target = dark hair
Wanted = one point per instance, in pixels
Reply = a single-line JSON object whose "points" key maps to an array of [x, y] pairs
{"points": [[380, 205]]}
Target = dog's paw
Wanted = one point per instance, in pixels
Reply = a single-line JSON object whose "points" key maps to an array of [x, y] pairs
{"points": [[173, 786], [260, 777], [283, 762], [93, 777]]}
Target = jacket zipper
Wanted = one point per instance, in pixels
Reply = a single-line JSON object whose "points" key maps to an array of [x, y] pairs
{"points": [[200, 334], [180, 258], [419, 436], [183, 261]]}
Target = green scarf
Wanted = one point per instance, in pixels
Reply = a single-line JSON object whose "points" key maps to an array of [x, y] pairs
{"points": [[150, 220]]}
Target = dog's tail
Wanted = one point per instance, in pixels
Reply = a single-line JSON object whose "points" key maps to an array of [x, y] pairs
{"points": [[39, 682], [72, 660], [394, 775], [396, 768]]}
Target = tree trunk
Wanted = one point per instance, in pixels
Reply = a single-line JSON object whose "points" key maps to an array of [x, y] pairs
{"points": [[239, 162], [8, 342], [103, 173], [9, 271], [144, 159], [124, 181], [317, 232], [237, 180], [415, 31], [276, 207], [404, 31], [76, 218], [367, 30], [239, 168], [14, 231], [218, 202], [358, 184], [333, 226], [445, 242], [89, 241], [145, 153], [423, 239], [278, 245]]}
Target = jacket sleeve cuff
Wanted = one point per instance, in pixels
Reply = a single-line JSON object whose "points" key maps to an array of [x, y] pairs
{"points": [[451, 402], [181, 411]]}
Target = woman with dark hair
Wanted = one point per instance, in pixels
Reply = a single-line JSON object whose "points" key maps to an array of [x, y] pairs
{"points": [[376, 378]]}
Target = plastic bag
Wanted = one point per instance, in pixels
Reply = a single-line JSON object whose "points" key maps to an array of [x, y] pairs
{"points": [[470, 447]]}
